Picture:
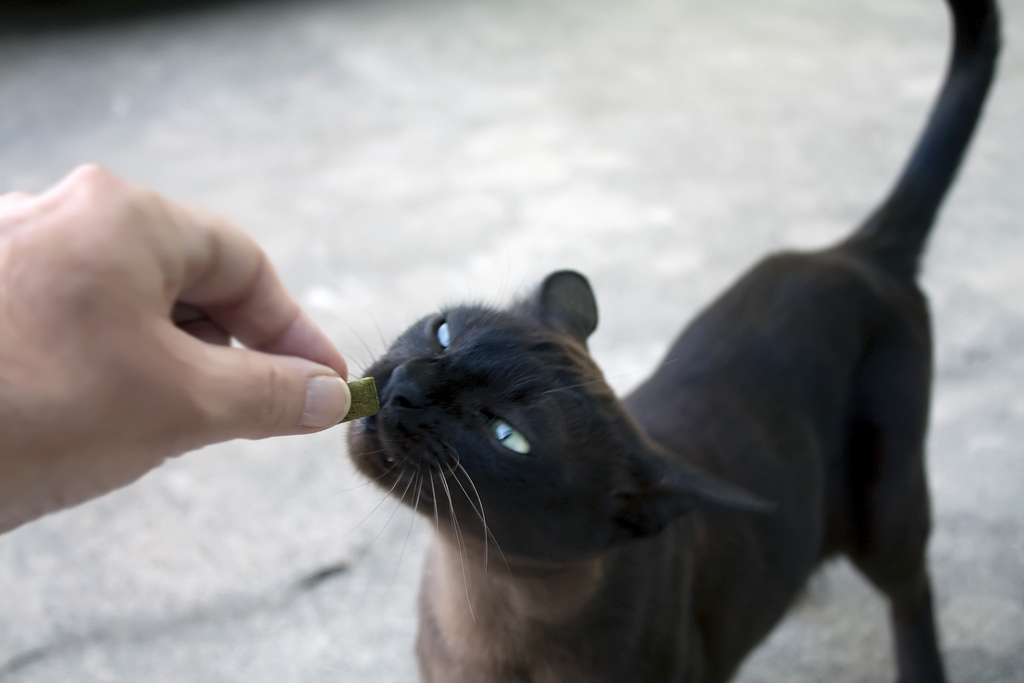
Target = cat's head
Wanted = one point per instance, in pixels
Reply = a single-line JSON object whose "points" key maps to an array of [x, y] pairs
{"points": [[501, 415]]}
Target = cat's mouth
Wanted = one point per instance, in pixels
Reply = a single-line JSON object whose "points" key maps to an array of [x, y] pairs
{"points": [[385, 451], [370, 426], [400, 460], [371, 453]]}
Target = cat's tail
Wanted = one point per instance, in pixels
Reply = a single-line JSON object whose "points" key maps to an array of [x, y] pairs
{"points": [[894, 235]]}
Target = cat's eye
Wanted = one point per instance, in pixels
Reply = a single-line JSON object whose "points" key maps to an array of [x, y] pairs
{"points": [[509, 437], [444, 336]]}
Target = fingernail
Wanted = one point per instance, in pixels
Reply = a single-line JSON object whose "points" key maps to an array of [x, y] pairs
{"points": [[327, 401]]}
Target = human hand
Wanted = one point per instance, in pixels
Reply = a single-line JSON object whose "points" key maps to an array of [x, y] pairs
{"points": [[117, 310]]}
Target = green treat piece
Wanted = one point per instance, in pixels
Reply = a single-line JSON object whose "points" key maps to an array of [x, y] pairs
{"points": [[364, 399]]}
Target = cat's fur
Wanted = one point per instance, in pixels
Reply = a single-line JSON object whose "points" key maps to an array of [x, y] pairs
{"points": [[660, 537]]}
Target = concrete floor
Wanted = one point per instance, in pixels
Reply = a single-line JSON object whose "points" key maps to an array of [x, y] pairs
{"points": [[396, 155]]}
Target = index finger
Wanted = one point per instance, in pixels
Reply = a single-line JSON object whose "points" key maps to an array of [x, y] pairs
{"points": [[9, 202], [228, 276]]}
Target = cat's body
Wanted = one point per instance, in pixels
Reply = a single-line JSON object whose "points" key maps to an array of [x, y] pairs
{"points": [[580, 538]]}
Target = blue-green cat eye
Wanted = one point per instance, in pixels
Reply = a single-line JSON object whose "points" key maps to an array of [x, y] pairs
{"points": [[509, 437], [444, 336]]}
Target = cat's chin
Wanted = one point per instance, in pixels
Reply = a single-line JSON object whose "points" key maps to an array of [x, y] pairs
{"points": [[368, 452], [387, 467]]}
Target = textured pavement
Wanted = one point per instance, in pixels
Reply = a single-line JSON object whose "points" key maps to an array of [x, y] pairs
{"points": [[396, 155]]}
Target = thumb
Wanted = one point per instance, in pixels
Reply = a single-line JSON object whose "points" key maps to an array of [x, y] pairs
{"points": [[254, 395]]}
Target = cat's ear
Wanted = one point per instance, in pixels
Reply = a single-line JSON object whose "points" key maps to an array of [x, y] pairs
{"points": [[662, 490], [566, 302]]}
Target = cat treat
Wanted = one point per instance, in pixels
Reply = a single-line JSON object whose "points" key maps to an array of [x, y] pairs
{"points": [[364, 399]]}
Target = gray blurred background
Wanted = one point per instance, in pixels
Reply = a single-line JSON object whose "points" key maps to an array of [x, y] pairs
{"points": [[396, 155]]}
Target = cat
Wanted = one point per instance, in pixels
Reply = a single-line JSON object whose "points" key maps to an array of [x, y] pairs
{"points": [[660, 537]]}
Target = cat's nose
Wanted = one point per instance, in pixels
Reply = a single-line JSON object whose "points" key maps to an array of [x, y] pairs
{"points": [[410, 384]]}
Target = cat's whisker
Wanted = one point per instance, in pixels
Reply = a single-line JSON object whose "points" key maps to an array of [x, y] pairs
{"points": [[503, 290], [368, 482], [369, 514], [366, 310], [398, 506], [571, 387], [433, 496], [483, 519], [377, 451], [477, 507], [458, 459], [460, 542], [350, 356], [479, 512], [380, 333], [604, 379], [433, 558], [366, 347], [408, 535]]}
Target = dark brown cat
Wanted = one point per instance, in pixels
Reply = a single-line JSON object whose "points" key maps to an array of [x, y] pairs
{"points": [[659, 538]]}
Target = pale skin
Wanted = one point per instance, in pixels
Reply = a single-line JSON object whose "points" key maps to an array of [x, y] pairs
{"points": [[118, 308]]}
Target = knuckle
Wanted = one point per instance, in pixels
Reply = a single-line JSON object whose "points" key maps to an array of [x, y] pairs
{"points": [[277, 408], [92, 191], [87, 173], [273, 404], [92, 182]]}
